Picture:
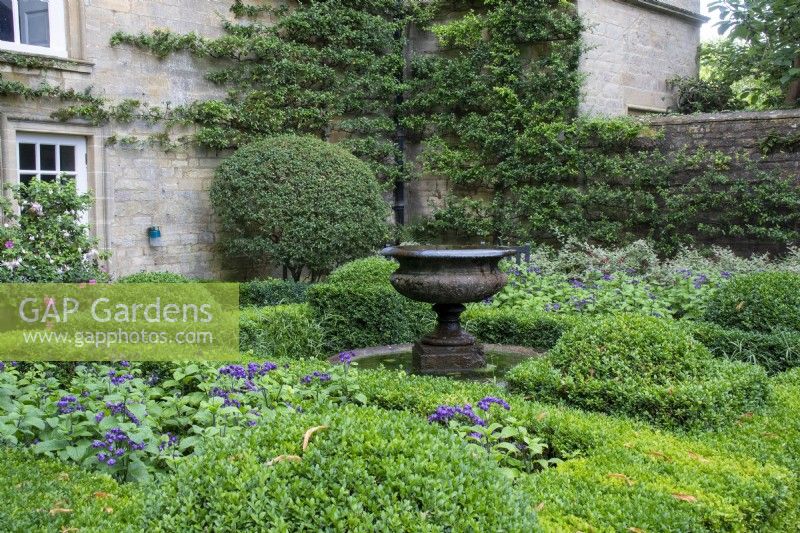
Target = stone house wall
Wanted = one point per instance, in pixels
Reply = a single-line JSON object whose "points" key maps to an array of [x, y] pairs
{"points": [[140, 186], [634, 47], [135, 186]]}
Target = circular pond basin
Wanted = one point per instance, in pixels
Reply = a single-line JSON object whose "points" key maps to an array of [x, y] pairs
{"points": [[499, 360]]}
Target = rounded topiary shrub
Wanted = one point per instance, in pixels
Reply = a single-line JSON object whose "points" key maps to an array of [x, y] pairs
{"points": [[646, 368], [300, 202], [764, 301], [365, 470], [369, 270]]}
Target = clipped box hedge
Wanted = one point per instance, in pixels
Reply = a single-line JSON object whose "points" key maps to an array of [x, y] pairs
{"points": [[361, 315], [645, 368], [364, 470], [623, 475], [280, 331], [41, 494], [522, 328], [271, 291], [763, 301]]}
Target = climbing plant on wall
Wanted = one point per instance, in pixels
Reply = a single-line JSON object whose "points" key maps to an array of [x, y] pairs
{"points": [[493, 109]]}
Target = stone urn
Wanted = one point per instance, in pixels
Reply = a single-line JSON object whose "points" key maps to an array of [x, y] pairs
{"points": [[447, 277]]}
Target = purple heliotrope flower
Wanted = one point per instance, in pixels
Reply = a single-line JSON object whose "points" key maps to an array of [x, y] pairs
{"points": [[700, 280], [578, 284], [69, 404], [445, 413], [725, 274], [321, 376], [171, 442], [346, 358], [119, 379], [99, 416], [9, 244], [124, 364], [487, 402]]}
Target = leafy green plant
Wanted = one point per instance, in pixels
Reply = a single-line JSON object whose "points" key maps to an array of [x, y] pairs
{"points": [[764, 301], [776, 351], [369, 271], [422, 478], [285, 331], [645, 368], [697, 95], [274, 198], [154, 277], [263, 292], [354, 315], [46, 241], [47, 495]]}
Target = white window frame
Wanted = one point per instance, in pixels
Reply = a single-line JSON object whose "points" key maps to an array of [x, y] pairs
{"points": [[81, 166], [58, 32]]}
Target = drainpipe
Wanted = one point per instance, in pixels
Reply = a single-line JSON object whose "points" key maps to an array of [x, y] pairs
{"points": [[399, 206]]}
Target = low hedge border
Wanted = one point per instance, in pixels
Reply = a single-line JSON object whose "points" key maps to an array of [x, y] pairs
{"points": [[47, 495], [287, 331], [364, 470], [358, 316], [494, 325], [643, 367], [625, 474], [271, 291], [775, 351]]}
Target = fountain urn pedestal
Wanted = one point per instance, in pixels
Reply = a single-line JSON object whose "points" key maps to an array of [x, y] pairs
{"points": [[447, 277]]}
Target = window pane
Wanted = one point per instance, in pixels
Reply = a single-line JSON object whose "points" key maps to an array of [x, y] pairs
{"points": [[26, 178], [6, 21], [47, 156], [27, 156], [50, 178], [34, 22], [67, 159]]}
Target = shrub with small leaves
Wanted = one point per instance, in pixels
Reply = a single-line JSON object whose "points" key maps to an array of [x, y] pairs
{"points": [[764, 301], [352, 469], [645, 368], [300, 202]]}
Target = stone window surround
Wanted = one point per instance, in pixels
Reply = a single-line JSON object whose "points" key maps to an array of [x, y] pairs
{"points": [[97, 178], [74, 61]]}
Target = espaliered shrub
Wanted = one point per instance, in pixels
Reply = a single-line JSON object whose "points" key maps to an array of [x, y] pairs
{"points": [[280, 331], [512, 326], [300, 202], [645, 368], [271, 291], [42, 494], [764, 301], [775, 351], [363, 470], [357, 315]]}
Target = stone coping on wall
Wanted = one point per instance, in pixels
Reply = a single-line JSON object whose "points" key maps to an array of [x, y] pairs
{"points": [[669, 9], [732, 116], [48, 63]]}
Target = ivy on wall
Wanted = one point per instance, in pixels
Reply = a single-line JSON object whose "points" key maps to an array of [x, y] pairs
{"points": [[494, 111]]}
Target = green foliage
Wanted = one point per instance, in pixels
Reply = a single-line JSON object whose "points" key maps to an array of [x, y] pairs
{"points": [[300, 202], [509, 326], [771, 30], [697, 95], [47, 242], [154, 277], [732, 63], [364, 470], [281, 331], [645, 368], [622, 474], [359, 315], [368, 271], [46, 495], [765, 301], [271, 291], [774, 351], [775, 142]]}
